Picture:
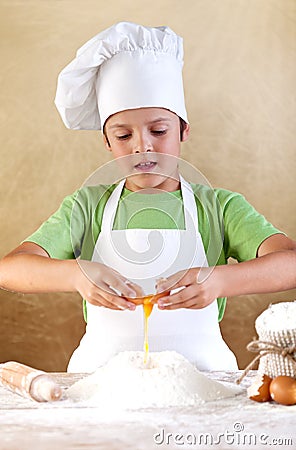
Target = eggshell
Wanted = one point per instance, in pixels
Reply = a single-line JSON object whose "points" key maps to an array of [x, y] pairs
{"points": [[283, 390], [259, 390], [152, 298]]}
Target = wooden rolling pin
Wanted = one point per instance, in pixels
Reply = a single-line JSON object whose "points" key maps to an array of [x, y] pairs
{"points": [[29, 382]]}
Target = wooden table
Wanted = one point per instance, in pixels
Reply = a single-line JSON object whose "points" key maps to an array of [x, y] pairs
{"points": [[236, 423]]}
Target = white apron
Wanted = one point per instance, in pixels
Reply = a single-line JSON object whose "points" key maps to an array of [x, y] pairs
{"points": [[144, 255]]}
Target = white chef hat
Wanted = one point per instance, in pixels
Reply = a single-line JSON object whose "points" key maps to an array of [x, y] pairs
{"points": [[127, 66]]}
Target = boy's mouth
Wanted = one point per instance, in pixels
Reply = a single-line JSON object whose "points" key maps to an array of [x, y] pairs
{"points": [[145, 166]]}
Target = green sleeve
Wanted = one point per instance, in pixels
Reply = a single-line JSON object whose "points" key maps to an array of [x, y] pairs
{"points": [[57, 235], [244, 228], [72, 231]]}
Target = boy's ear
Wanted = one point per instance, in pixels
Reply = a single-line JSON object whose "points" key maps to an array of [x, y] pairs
{"points": [[185, 133]]}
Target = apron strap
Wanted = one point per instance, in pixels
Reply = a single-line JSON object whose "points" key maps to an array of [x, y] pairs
{"points": [[111, 207]]}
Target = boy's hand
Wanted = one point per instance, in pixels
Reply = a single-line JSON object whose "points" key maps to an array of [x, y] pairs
{"points": [[102, 286], [198, 287]]}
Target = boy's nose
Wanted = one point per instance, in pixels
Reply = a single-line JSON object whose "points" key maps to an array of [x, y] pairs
{"points": [[142, 145]]}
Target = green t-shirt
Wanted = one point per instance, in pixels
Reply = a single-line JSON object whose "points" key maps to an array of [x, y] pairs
{"points": [[228, 224]]}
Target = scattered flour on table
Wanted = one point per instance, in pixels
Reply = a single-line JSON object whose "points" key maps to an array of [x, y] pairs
{"points": [[168, 379]]}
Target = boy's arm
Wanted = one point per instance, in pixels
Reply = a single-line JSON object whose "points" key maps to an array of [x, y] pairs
{"points": [[29, 269], [273, 270]]}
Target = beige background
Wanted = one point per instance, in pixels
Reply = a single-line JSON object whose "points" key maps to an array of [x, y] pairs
{"points": [[240, 72]]}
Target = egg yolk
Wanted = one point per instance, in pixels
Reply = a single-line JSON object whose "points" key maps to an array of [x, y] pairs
{"points": [[147, 308], [148, 303]]}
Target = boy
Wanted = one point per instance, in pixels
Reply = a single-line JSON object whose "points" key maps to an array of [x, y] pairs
{"points": [[127, 82]]}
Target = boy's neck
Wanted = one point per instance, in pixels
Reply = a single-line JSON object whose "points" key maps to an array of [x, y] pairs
{"points": [[153, 183]]}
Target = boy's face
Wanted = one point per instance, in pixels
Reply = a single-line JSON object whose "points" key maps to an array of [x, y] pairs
{"points": [[141, 132]]}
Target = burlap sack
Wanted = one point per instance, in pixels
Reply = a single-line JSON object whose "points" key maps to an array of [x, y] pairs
{"points": [[278, 348]]}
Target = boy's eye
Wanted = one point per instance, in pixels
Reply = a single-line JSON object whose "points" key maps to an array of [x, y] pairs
{"points": [[158, 132], [123, 136]]}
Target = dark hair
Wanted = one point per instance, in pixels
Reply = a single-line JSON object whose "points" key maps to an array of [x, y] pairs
{"points": [[182, 128]]}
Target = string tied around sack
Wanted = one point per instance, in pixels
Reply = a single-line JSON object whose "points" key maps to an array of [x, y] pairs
{"points": [[264, 348]]}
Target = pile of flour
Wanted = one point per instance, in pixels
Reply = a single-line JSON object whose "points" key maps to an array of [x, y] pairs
{"points": [[168, 379], [277, 317]]}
